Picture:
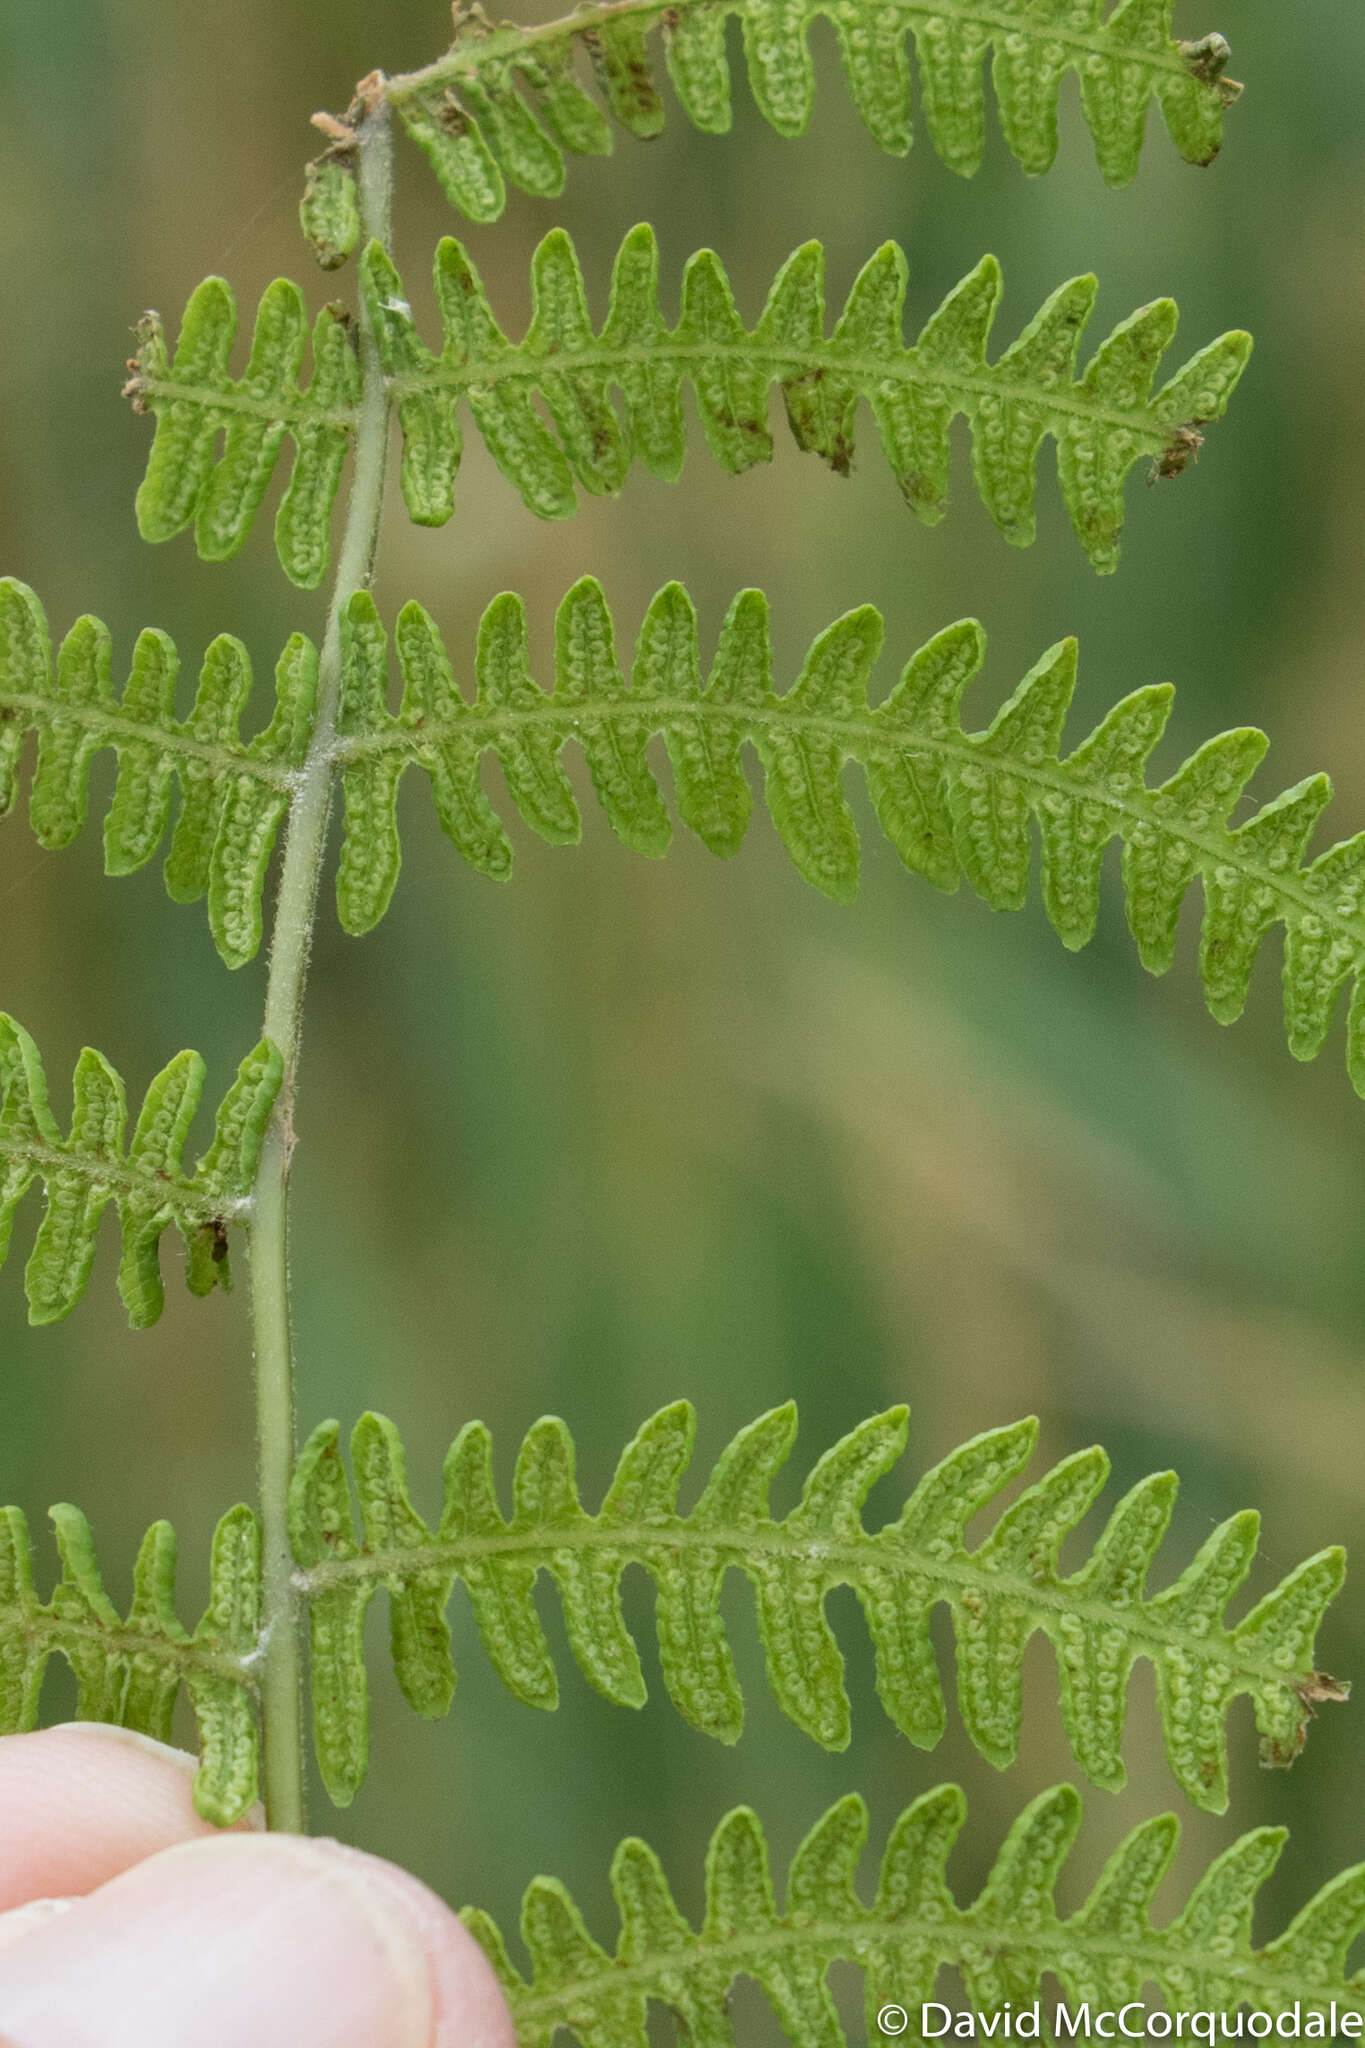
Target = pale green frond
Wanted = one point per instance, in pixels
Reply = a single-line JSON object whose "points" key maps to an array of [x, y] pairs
{"points": [[329, 212], [234, 794], [952, 802], [195, 398], [504, 103], [1104, 420], [1099, 1619], [82, 1173], [129, 1671], [1105, 1956]]}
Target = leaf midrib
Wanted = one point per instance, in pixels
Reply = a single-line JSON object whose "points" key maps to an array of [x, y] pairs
{"points": [[504, 44], [54, 1631], [877, 733], [1154, 1953], [641, 1544], [181, 1199], [113, 726], [782, 361]]}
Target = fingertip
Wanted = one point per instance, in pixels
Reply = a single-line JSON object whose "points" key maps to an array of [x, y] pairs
{"points": [[468, 2006], [83, 1801], [253, 1938]]}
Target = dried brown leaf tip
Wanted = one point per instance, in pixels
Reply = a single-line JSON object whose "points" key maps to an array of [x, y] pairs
{"points": [[339, 133], [1318, 1689], [1180, 451], [1207, 60], [369, 95]]}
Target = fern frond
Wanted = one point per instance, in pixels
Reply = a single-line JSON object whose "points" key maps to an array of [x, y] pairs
{"points": [[952, 803], [1103, 422], [82, 1173], [1103, 1955], [129, 1671], [1000, 1594], [504, 103], [233, 794], [195, 398]]}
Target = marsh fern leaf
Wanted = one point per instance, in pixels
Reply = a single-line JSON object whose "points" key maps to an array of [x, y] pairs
{"points": [[82, 1173], [195, 398], [1099, 1619], [1002, 1945], [1104, 421], [129, 1671], [953, 803], [233, 794], [329, 212], [504, 104]]}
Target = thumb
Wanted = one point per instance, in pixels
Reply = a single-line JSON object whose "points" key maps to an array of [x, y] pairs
{"points": [[253, 1938]]}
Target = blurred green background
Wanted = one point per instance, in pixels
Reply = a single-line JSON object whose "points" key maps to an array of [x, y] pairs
{"points": [[623, 1131]]}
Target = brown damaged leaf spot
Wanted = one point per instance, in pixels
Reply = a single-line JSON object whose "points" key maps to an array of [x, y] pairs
{"points": [[755, 433], [634, 80], [643, 89], [811, 433], [1207, 60], [1180, 451], [471, 22], [452, 116], [920, 494], [1318, 1689]]}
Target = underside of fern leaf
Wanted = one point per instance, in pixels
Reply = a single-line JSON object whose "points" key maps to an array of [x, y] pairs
{"points": [[504, 104], [128, 1672], [233, 795], [953, 803], [1103, 422], [83, 1173], [1104, 1955], [1000, 1594]]}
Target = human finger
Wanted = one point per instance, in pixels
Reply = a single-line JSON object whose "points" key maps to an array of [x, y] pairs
{"points": [[268, 1939], [82, 1802]]}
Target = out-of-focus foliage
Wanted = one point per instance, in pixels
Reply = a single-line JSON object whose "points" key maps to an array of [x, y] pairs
{"points": [[681, 1129]]}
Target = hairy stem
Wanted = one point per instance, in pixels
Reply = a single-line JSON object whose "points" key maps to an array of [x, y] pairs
{"points": [[296, 910]]}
